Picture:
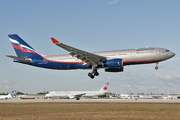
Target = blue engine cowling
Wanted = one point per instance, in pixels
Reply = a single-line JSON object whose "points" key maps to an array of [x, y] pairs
{"points": [[113, 63]]}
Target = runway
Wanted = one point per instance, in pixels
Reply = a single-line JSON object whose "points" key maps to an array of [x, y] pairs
{"points": [[90, 101]]}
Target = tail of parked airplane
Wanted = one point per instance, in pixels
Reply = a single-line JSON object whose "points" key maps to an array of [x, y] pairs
{"points": [[13, 94], [105, 87], [24, 51], [9, 95]]}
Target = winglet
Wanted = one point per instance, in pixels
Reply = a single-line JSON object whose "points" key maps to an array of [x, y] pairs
{"points": [[54, 40]]}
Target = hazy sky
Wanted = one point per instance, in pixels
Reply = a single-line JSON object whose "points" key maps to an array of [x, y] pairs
{"points": [[94, 25]]}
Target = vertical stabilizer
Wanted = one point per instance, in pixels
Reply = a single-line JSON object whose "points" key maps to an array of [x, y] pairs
{"points": [[105, 87], [23, 50], [13, 94]]}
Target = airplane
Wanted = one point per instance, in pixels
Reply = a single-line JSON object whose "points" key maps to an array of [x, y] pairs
{"points": [[78, 94], [9, 96], [111, 61], [124, 96]]}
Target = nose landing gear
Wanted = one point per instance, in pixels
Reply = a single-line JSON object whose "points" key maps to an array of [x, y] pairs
{"points": [[156, 66]]}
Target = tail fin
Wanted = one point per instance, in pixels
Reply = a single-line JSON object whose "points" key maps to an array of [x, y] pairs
{"points": [[105, 87], [13, 94], [23, 50], [9, 95]]}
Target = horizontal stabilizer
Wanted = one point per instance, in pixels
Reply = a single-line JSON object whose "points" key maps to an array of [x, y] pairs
{"points": [[19, 59]]}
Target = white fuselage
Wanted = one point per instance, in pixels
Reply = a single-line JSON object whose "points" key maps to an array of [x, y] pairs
{"points": [[70, 94], [3, 97]]}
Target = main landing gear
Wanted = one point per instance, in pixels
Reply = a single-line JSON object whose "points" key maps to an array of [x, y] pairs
{"points": [[93, 74], [77, 98], [156, 66]]}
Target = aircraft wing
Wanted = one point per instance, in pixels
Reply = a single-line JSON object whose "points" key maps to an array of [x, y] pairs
{"points": [[88, 58], [76, 95], [79, 95]]}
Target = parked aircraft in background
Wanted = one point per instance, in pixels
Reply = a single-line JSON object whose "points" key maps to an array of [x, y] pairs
{"points": [[111, 61], [9, 96], [78, 94], [125, 96]]}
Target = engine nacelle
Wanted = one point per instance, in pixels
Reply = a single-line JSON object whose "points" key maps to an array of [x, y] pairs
{"points": [[71, 97], [114, 69], [113, 63]]}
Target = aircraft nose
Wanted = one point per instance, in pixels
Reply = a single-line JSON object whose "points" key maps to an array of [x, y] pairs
{"points": [[172, 54]]}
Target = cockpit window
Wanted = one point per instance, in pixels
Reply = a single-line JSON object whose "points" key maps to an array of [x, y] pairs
{"points": [[167, 50]]}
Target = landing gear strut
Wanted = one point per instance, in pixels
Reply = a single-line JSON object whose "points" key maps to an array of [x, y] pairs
{"points": [[156, 66]]}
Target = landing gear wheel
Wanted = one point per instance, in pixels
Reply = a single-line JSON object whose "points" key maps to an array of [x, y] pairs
{"points": [[156, 67], [77, 98], [96, 74], [90, 75]]}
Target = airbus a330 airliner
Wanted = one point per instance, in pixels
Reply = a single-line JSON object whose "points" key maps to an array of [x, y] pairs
{"points": [[111, 61]]}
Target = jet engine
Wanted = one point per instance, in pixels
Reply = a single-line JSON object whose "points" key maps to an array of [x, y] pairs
{"points": [[113, 63], [71, 97]]}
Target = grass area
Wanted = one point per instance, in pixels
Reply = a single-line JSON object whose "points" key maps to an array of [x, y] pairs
{"points": [[89, 111]]}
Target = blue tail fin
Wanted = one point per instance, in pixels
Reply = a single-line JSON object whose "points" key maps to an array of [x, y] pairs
{"points": [[23, 50], [13, 94]]}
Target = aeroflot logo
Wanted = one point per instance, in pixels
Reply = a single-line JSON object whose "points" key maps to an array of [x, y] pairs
{"points": [[105, 88]]}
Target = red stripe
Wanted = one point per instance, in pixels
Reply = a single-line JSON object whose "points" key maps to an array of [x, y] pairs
{"points": [[17, 47], [141, 61]]}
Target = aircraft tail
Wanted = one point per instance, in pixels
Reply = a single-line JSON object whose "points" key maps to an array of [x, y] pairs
{"points": [[13, 94], [24, 51], [105, 87]]}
